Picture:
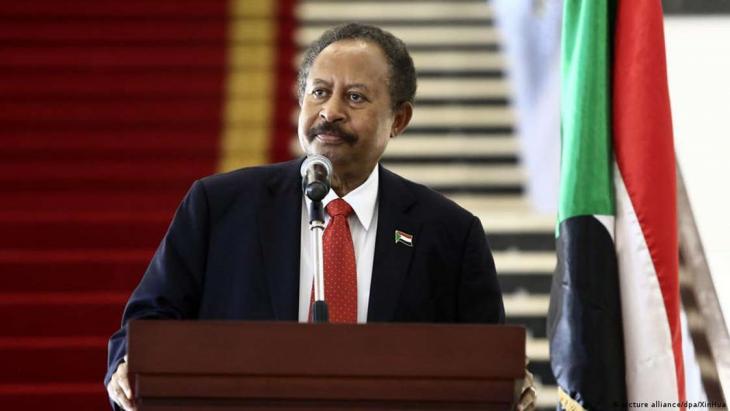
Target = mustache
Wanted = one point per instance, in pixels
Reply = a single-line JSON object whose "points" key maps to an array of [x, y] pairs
{"points": [[332, 129]]}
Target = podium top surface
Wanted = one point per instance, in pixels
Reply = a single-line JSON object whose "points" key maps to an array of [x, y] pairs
{"points": [[293, 349]]}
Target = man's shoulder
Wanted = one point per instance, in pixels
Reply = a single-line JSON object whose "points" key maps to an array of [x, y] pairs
{"points": [[248, 178]]}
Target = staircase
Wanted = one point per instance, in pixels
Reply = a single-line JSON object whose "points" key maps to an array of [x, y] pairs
{"points": [[108, 112], [461, 143]]}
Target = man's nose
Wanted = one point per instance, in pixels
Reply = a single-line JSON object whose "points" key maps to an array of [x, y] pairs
{"points": [[332, 111]]}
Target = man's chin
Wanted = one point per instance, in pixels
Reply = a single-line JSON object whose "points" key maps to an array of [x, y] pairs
{"points": [[334, 153]]}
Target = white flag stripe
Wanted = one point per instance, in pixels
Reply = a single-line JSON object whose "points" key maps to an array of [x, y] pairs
{"points": [[649, 356]]}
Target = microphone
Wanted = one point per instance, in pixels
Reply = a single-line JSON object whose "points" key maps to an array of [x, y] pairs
{"points": [[316, 171]]}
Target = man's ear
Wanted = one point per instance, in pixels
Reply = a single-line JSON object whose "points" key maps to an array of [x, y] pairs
{"points": [[402, 118]]}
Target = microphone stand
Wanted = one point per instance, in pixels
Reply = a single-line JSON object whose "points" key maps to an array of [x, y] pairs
{"points": [[320, 313]]}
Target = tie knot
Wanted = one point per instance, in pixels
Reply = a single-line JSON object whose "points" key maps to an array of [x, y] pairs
{"points": [[338, 207]]}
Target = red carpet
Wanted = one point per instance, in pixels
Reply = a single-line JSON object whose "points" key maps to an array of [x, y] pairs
{"points": [[108, 112]]}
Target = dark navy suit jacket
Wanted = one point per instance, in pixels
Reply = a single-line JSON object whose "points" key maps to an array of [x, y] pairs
{"points": [[232, 252]]}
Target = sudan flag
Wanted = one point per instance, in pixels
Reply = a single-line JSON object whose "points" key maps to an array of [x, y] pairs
{"points": [[613, 323]]}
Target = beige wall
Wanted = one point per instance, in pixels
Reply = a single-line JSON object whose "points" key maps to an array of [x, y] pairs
{"points": [[698, 59]]}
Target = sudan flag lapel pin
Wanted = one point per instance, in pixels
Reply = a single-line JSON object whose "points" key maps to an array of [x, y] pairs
{"points": [[403, 238]]}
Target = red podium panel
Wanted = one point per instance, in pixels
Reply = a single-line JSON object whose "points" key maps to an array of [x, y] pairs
{"points": [[231, 365]]}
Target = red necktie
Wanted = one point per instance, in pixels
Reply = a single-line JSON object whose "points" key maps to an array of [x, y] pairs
{"points": [[340, 274]]}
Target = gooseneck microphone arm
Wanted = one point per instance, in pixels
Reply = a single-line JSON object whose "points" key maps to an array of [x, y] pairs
{"points": [[316, 171]]}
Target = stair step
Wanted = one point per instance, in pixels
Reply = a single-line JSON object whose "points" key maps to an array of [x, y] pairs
{"points": [[460, 174], [82, 230], [462, 88], [527, 283], [115, 146], [145, 139], [99, 168], [106, 83], [439, 159], [439, 130], [516, 222], [521, 241], [127, 32], [112, 111], [412, 145], [516, 204], [139, 57], [547, 397], [101, 199], [461, 116], [542, 371], [464, 189], [525, 305], [103, 169], [457, 60], [63, 270], [165, 10], [83, 181], [112, 155], [385, 11], [82, 396], [447, 34], [61, 314], [519, 262], [52, 360]]}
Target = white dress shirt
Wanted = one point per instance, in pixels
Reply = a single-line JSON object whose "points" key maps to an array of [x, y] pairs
{"points": [[363, 228]]}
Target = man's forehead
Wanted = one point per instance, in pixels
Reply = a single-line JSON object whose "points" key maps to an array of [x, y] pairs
{"points": [[365, 52], [350, 56], [350, 44]]}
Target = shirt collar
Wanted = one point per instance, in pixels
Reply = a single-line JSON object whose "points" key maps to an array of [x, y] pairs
{"points": [[362, 199]]}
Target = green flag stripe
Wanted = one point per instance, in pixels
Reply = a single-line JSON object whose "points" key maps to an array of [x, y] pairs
{"points": [[586, 158]]}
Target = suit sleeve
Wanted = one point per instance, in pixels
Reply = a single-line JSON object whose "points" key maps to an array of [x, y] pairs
{"points": [[171, 286], [479, 294]]}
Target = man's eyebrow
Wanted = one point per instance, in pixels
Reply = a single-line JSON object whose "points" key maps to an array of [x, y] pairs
{"points": [[358, 85], [320, 81]]}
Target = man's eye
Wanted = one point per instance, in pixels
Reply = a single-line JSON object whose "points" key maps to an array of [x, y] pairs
{"points": [[318, 92], [356, 98]]}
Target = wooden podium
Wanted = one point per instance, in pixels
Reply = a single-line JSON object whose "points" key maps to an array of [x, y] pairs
{"points": [[231, 365]]}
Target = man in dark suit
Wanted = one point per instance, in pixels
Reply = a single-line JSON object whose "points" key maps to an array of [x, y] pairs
{"points": [[238, 245]]}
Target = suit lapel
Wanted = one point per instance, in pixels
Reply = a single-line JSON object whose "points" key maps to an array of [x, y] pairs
{"points": [[391, 261], [280, 223]]}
